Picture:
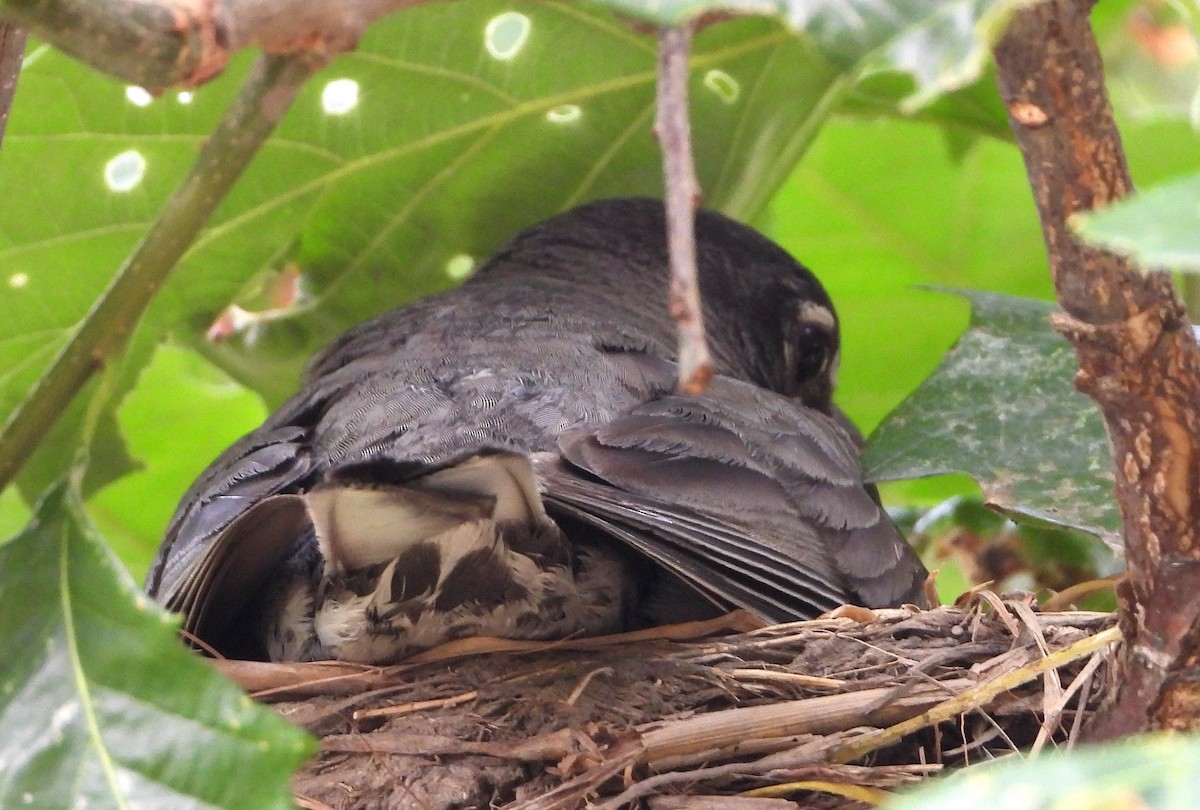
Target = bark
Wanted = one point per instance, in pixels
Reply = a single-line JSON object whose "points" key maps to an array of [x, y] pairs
{"points": [[156, 43], [1137, 356], [12, 52], [673, 130]]}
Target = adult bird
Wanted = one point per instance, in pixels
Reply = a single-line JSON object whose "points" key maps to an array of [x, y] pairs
{"points": [[509, 458]]}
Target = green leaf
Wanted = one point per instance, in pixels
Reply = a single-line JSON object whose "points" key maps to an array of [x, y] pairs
{"points": [[180, 414], [942, 45], [101, 705], [1001, 408], [415, 155], [1159, 228], [405, 161], [1142, 773], [966, 113], [874, 227]]}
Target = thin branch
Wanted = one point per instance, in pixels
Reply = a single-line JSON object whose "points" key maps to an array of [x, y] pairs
{"points": [[156, 43], [683, 196], [104, 331], [976, 697], [12, 52], [1137, 355]]}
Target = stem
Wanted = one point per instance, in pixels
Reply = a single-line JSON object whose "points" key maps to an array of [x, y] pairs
{"points": [[683, 195], [1137, 356], [104, 331], [12, 51]]}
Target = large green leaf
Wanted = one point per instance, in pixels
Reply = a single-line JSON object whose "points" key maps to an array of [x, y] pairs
{"points": [[1001, 407], [450, 127], [102, 706], [1159, 228], [400, 164], [182, 411], [1142, 773]]}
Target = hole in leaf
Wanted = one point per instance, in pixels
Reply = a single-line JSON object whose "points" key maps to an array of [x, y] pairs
{"points": [[564, 114], [505, 35], [725, 86], [460, 266], [138, 96], [125, 171], [340, 96]]}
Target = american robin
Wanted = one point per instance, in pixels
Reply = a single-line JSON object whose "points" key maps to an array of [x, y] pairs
{"points": [[510, 459]]}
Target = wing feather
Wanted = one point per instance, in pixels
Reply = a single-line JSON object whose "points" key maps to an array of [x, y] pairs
{"points": [[757, 502]]}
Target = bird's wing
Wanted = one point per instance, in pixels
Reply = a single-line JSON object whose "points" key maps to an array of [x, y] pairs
{"points": [[270, 460], [233, 528], [756, 501]]}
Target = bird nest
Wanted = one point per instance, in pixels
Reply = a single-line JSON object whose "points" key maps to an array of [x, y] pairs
{"points": [[703, 715]]}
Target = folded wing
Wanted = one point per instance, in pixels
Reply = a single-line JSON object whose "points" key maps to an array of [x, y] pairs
{"points": [[756, 502]]}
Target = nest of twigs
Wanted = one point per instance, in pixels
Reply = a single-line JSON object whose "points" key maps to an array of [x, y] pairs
{"points": [[829, 712]]}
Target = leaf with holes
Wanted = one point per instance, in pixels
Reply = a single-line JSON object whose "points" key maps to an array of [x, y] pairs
{"points": [[100, 703], [449, 128], [399, 167], [1001, 408]]}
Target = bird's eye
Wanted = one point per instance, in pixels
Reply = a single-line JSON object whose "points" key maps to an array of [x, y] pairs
{"points": [[812, 352]]}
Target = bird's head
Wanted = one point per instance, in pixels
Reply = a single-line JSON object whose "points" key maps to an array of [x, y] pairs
{"points": [[768, 319]]}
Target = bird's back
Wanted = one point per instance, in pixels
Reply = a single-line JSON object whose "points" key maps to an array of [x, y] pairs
{"points": [[549, 372]]}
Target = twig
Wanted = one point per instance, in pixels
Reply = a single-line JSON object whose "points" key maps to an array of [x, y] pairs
{"points": [[271, 679], [859, 793], [974, 698], [307, 803], [1053, 717], [815, 715], [156, 43], [12, 52], [1069, 596], [417, 706], [552, 746], [577, 692], [793, 678], [736, 621], [104, 331], [683, 195], [797, 756], [1137, 356]]}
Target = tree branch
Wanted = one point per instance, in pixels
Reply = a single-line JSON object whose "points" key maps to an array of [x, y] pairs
{"points": [[103, 332], [12, 52], [1137, 356], [156, 43], [683, 195]]}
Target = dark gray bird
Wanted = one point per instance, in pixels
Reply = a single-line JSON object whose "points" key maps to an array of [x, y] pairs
{"points": [[509, 459]]}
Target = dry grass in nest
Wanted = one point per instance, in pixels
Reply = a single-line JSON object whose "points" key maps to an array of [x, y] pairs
{"points": [[838, 711]]}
